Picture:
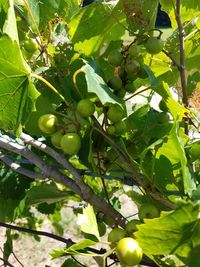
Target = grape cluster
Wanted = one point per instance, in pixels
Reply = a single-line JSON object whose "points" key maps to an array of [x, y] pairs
{"points": [[66, 135], [130, 66]]}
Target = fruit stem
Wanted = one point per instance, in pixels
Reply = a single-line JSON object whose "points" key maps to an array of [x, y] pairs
{"points": [[137, 93], [50, 86], [158, 30]]}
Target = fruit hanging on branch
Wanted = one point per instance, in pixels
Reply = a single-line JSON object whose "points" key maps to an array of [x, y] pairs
{"points": [[115, 235], [154, 45], [148, 211], [115, 58], [129, 252], [85, 108], [115, 83], [131, 226], [56, 138], [132, 67], [47, 123], [30, 45], [115, 113], [134, 50], [71, 143]]}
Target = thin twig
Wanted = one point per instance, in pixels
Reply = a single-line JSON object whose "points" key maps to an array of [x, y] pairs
{"points": [[137, 93], [68, 242], [182, 59], [35, 232], [15, 256], [175, 63], [78, 261]]}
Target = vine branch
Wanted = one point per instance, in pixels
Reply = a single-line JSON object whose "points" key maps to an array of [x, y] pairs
{"points": [[17, 168], [146, 261], [77, 185], [182, 58]]}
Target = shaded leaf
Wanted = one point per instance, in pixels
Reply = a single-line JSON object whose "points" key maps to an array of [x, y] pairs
{"points": [[48, 193]]}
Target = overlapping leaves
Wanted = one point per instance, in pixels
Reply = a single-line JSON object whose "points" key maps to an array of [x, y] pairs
{"points": [[175, 233]]}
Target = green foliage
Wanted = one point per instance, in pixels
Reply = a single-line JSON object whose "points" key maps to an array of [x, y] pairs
{"points": [[120, 102], [173, 233], [17, 92]]}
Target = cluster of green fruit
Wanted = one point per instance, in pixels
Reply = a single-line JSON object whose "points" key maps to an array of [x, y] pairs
{"points": [[69, 142], [117, 125], [130, 66], [126, 247]]}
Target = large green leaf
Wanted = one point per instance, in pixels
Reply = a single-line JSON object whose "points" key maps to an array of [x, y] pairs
{"points": [[96, 84], [7, 209], [173, 149], [8, 20], [96, 26], [39, 15], [176, 232], [16, 90]]}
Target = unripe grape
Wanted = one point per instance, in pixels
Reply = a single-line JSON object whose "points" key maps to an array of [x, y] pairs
{"points": [[115, 58], [47, 123], [132, 67], [111, 129], [154, 45], [85, 108], [115, 114], [70, 143], [134, 50], [115, 83], [130, 87]]}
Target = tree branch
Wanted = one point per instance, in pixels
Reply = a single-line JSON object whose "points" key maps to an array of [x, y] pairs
{"points": [[48, 171], [182, 58], [175, 63], [17, 168], [68, 242], [77, 185], [86, 193], [137, 177]]}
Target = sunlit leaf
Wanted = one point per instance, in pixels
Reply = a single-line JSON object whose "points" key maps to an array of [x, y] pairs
{"points": [[88, 222]]}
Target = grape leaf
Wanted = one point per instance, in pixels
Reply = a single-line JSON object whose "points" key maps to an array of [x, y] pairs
{"points": [[177, 110], [95, 84], [16, 90], [175, 233], [96, 26], [177, 155], [10, 26], [76, 249], [141, 15], [48, 193]]}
